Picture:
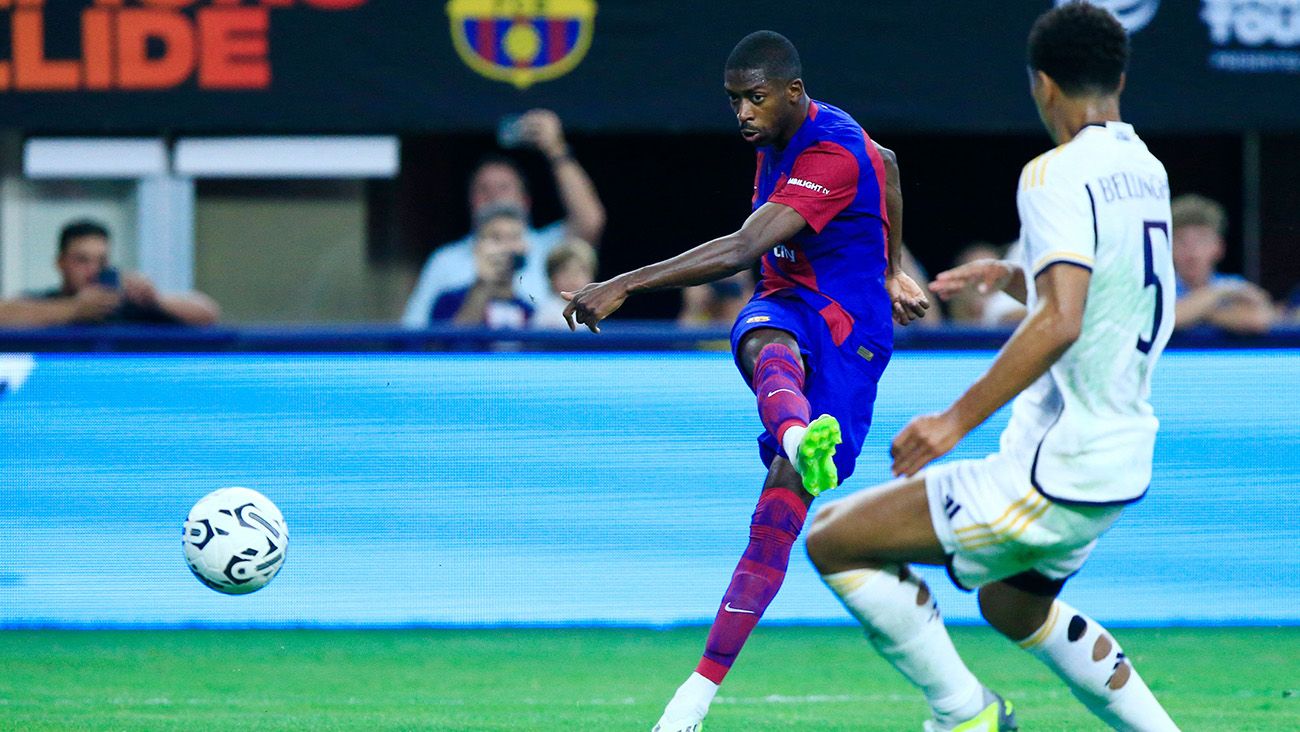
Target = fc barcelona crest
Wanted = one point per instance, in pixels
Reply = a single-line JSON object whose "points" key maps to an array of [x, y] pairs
{"points": [[522, 42]]}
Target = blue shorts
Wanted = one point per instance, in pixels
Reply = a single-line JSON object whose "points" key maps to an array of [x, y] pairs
{"points": [[840, 380]]}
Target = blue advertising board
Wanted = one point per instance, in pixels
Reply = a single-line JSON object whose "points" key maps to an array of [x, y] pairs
{"points": [[568, 489]]}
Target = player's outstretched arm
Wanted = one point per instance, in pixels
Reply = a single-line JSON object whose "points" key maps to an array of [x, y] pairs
{"points": [[908, 299], [771, 224], [985, 275], [1041, 339]]}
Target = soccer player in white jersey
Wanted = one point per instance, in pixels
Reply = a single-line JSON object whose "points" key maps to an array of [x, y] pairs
{"points": [[1097, 277]]}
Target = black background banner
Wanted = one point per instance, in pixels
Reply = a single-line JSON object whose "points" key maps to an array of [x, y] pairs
{"points": [[898, 65]]}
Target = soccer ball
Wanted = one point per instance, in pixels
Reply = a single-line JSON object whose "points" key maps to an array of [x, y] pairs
{"points": [[234, 540]]}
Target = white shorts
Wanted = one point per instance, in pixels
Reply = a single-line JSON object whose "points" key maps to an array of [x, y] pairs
{"points": [[995, 525]]}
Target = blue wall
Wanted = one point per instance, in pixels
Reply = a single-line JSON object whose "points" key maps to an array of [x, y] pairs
{"points": [[513, 488]]}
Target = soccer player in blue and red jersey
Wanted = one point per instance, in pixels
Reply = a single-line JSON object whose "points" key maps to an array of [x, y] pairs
{"points": [[817, 334]]}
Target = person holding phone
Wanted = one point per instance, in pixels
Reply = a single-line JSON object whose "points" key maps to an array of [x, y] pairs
{"points": [[491, 301], [498, 181], [92, 291]]}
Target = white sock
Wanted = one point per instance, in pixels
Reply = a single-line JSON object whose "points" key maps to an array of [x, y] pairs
{"points": [[903, 624], [692, 699], [1089, 659], [790, 440]]}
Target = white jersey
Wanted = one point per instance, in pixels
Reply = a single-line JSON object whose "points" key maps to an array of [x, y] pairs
{"points": [[1085, 430]]}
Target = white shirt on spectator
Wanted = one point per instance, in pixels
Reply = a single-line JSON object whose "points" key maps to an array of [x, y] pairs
{"points": [[550, 313], [451, 267]]}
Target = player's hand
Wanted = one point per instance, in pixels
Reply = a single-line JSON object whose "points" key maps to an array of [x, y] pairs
{"points": [[594, 303], [924, 439], [909, 300], [985, 275]]}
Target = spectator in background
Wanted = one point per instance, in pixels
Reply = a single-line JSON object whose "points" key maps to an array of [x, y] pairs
{"points": [[569, 267], [1288, 310], [497, 180], [91, 291], [972, 307], [1205, 296], [716, 303], [490, 301]]}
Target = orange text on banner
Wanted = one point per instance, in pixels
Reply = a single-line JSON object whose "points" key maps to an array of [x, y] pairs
{"points": [[150, 45]]}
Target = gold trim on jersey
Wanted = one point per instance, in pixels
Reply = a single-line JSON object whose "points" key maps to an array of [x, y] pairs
{"points": [[1062, 256], [848, 582], [1041, 634], [1035, 171]]}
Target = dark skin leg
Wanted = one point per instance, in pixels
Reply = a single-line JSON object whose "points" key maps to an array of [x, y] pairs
{"points": [[754, 342], [1017, 615], [1014, 613], [888, 524], [891, 524]]}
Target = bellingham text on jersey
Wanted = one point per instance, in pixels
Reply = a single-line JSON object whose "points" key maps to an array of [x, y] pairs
{"points": [[1125, 186]]}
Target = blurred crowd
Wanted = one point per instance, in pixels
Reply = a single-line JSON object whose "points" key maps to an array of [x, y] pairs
{"points": [[509, 271], [91, 290]]}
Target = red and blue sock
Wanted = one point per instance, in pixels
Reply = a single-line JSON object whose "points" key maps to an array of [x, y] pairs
{"points": [[777, 521], [778, 383]]}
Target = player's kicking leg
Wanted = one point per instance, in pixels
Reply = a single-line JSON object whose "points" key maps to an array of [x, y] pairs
{"points": [[861, 546], [1080, 651], [777, 374]]}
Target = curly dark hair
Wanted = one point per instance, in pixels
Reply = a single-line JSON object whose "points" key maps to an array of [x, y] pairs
{"points": [[1081, 46]]}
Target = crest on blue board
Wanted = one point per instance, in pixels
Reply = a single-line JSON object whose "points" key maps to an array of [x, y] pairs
{"points": [[522, 42]]}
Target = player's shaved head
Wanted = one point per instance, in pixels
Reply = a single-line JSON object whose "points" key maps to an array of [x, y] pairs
{"points": [[769, 53], [1081, 46]]}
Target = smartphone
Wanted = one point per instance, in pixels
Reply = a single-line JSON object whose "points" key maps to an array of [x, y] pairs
{"points": [[510, 134], [108, 277]]}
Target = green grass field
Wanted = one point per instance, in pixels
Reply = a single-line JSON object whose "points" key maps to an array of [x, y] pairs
{"points": [[788, 678]]}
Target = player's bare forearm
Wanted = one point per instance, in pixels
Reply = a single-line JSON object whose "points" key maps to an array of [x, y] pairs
{"points": [[893, 208], [1037, 343], [1040, 339], [985, 275], [770, 225], [907, 299], [1015, 286]]}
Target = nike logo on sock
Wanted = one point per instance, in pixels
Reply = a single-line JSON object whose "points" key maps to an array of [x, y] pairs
{"points": [[731, 609], [778, 391]]}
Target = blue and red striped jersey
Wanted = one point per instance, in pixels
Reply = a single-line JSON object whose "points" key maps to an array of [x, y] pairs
{"points": [[832, 174]]}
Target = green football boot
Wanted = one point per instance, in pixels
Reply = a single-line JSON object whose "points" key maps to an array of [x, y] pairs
{"points": [[815, 461]]}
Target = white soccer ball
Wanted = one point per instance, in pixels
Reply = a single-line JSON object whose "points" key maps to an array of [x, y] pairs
{"points": [[235, 540]]}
